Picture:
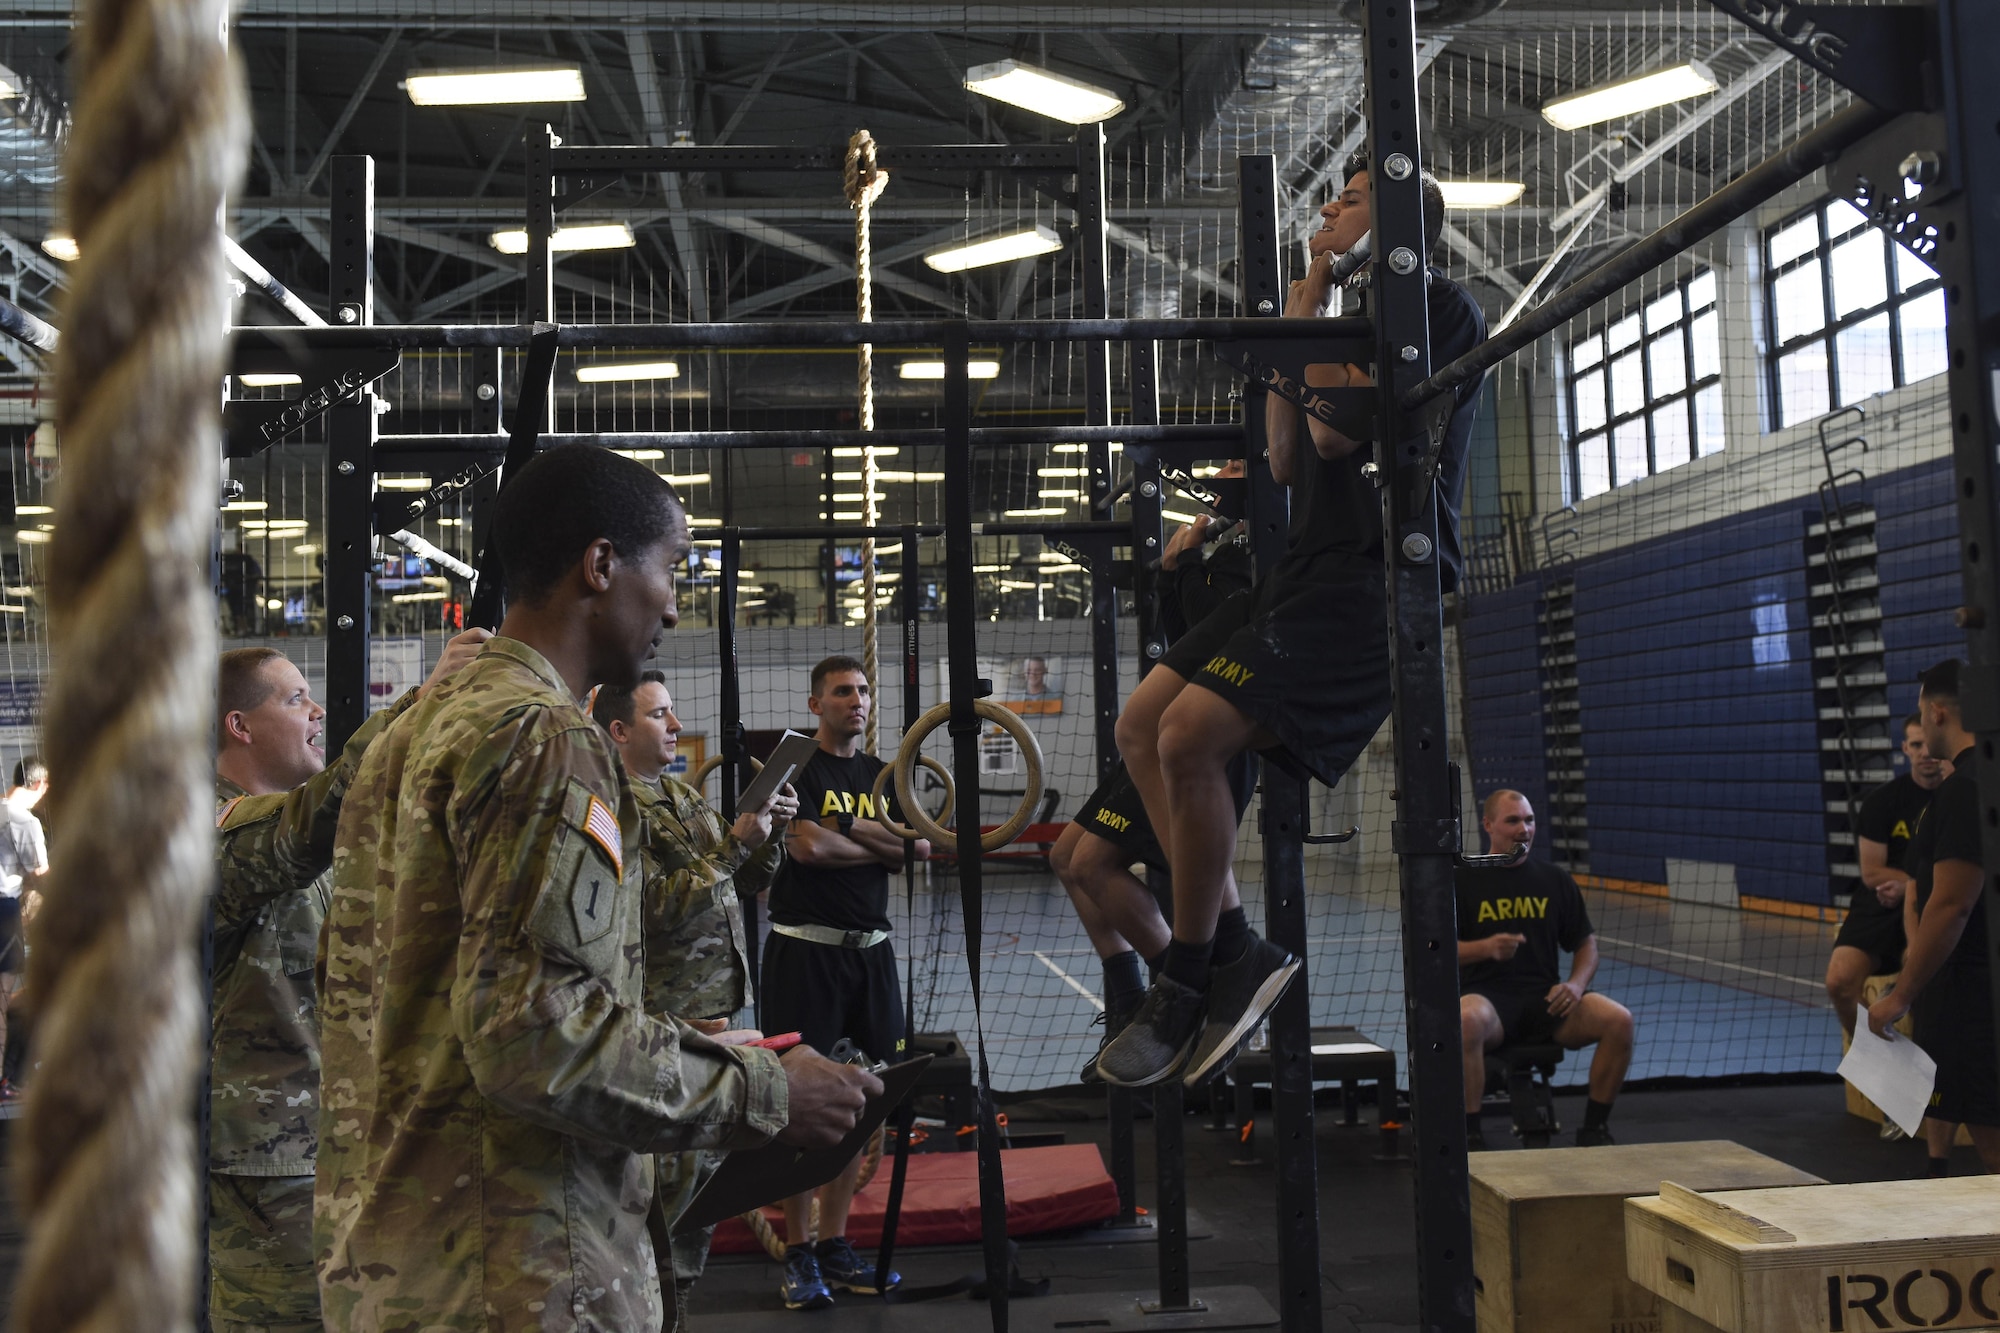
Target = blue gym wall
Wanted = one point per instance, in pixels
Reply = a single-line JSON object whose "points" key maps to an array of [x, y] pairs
{"points": [[1696, 678]]}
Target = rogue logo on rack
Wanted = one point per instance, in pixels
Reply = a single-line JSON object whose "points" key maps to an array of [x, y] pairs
{"points": [[1794, 27]]}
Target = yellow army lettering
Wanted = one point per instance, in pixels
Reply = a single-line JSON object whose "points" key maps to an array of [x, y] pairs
{"points": [[1513, 909], [1233, 672], [846, 803], [1110, 820]]}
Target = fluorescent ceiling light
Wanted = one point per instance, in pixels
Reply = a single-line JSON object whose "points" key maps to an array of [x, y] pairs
{"points": [[934, 370], [14, 610], [613, 371], [306, 548], [590, 236], [10, 85], [1043, 512], [685, 478], [1040, 239], [60, 245], [991, 569], [403, 483], [1053, 558], [419, 597], [704, 522], [492, 87], [1062, 472], [873, 450], [1480, 194], [34, 509], [1628, 97], [641, 455], [243, 507], [841, 516], [1043, 92], [1059, 495], [1177, 516], [451, 522], [267, 381], [32, 538]]}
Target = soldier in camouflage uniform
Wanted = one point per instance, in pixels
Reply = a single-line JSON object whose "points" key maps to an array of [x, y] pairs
{"points": [[277, 803], [493, 1087], [695, 875]]}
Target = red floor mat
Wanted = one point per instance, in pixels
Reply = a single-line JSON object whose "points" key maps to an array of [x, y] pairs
{"points": [[1048, 1189]]}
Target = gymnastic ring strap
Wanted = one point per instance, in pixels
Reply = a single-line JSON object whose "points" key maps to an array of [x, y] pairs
{"points": [[906, 761], [904, 831]]}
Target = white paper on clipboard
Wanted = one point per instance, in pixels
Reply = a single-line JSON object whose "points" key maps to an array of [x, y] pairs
{"points": [[788, 756], [1896, 1074]]}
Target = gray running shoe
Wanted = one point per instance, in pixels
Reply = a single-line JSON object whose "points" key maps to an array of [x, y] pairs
{"points": [[1113, 1024], [1157, 1040], [1240, 994]]}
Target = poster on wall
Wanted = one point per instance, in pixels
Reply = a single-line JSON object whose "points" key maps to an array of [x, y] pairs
{"points": [[1029, 685], [395, 666], [998, 753], [20, 716]]}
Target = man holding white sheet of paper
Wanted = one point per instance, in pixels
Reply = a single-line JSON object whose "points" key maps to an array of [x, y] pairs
{"points": [[1946, 982]]}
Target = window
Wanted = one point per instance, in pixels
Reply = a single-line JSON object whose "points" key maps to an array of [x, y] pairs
{"points": [[1851, 313], [1646, 391]]}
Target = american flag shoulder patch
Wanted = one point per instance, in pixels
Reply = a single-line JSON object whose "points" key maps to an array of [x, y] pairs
{"points": [[222, 815], [601, 823]]}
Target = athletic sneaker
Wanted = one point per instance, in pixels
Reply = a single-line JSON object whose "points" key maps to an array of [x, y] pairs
{"points": [[1156, 1042], [803, 1287], [1113, 1024], [1240, 994], [845, 1270], [1594, 1136]]}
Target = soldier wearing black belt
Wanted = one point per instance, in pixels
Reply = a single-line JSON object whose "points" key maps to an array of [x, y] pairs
{"points": [[829, 970]]}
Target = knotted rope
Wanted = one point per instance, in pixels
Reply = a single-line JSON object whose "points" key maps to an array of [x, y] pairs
{"points": [[865, 182], [106, 1163]]}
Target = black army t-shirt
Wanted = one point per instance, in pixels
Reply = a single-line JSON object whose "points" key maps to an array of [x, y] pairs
{"points": [[1534, 899], [1949, 831], [1889, 816], [1337, 512], [844, 897]]}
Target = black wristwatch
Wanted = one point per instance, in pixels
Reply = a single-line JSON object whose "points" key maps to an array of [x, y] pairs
{"points": [[846, 823]]}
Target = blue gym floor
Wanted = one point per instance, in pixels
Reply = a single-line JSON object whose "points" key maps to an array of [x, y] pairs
{"points": [[1715, 991]]}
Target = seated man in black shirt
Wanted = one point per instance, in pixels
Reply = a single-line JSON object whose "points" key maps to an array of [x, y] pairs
{"points": [[1299, 664], [1871, 938], [1946, 981], [829, 970], [1513, 924]]}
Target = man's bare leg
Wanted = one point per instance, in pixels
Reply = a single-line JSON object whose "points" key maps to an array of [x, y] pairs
{"points": [[1200, 733], [1479, 1031], [1847, 971]]}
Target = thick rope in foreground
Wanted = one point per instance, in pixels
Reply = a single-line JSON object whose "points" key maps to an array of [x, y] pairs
{"points": [[767, 1236], [106, 1162], [865, 182]]}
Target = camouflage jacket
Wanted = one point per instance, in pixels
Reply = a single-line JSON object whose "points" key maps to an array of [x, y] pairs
{"points": [[697, 959], [271, 889], [493, 1087]]}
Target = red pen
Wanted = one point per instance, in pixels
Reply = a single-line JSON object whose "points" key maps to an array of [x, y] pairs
{"points": [[784, 1041]]}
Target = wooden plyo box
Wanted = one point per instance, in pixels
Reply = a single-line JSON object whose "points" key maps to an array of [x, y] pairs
{"points": [[1547, 1227], [1892, 1255]]}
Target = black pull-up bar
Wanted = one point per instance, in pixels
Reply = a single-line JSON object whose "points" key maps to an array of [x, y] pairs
{"points": [[1818, 149]]}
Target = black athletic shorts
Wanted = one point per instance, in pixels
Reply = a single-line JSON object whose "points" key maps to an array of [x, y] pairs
{"points": [[1115, 813], [1308, 661], [1954, 1023], [1874, 929], [1525, 1019], [826, 992], [13, 952]]}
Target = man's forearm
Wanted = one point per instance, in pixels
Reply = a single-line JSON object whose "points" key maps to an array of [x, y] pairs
{"points": [[1583, 964], [1281, 437]]}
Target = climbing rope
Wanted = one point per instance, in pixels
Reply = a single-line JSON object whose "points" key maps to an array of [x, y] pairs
{"points": [[865, 182], [107, 1162], [767, 1236]]}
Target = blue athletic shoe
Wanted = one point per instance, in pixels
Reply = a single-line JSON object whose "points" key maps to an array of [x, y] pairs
{"points": [[847, 1271], [803, 1287]]}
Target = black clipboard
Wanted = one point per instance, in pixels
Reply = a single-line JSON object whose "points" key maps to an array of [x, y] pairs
{"points": [[792, 752], [754, 1177]]}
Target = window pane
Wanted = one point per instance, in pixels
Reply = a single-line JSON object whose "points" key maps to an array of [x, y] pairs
{"points": [[1593, 466], [1664, 311], [1628, 447], [1860, 274], [1843, 217], [1666, 357], [1923, 337], [1862, 359], [1910, 270], [1802, 387], [1586, 353], [1708, 420], [1624, 333], [1701, 290], [1628, 385], [1705, 334], [1788, 243], [1798, 303], [1671, 445], [1590, 401]]}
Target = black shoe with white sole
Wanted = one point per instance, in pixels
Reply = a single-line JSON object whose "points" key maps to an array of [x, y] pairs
{"points": [[1240, 994], [1155, 1044]]}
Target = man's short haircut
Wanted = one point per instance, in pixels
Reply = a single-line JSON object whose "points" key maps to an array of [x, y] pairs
{"points": [[30, 771], [1433, 197], [565, 499], [614, 703], [838, 664], [1939, 685], [1913, 720], [240, 683], [1493, 800]]}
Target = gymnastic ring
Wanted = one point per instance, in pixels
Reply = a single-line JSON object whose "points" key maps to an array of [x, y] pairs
{"points": [[906, 762], [904, 831], [713, 762]]}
